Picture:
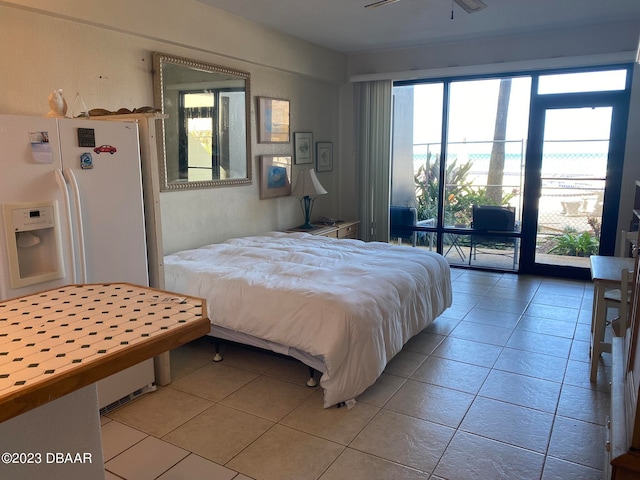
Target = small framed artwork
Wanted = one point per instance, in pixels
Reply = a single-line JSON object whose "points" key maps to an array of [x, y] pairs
{"points": [[275, 176], [303, 147], [273, 118], [324, 156]]}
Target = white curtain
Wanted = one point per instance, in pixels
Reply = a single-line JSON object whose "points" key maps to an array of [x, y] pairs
{"points": [[373, 156]]}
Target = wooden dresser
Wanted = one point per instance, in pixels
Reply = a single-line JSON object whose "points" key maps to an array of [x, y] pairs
{"points": [[344, 229]]}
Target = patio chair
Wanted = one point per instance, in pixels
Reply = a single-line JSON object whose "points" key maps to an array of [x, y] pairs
{"points": [[402, 220], [489, 224]]}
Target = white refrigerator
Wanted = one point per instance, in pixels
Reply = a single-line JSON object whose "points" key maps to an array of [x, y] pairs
{"points": [[72, 212]]}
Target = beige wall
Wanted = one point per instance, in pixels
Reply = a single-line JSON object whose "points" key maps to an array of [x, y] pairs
{"points": [[102, 51]]}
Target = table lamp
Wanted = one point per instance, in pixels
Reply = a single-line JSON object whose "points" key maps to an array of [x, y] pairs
{"points": [[307, 188]]}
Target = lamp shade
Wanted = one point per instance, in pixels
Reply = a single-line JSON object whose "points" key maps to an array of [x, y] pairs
{"points": [[307, 184]]}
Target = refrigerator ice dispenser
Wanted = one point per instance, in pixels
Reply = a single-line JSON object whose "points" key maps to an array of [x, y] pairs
{"points": [[33, 243]]}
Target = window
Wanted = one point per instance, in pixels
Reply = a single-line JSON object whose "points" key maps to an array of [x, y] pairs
{"points": [[197, 156], [583, 82], [205, 147]]}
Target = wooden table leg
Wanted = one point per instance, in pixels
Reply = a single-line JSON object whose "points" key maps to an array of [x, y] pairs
{"points": [[598, 324]]}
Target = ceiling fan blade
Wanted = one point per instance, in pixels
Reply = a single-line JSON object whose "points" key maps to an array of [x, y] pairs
{"points": [[471, 6], [381, 3]]}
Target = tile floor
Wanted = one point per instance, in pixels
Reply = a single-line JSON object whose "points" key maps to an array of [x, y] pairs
{"points": [[496, 388]]}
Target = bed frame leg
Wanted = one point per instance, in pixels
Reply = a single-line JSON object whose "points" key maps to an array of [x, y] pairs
{"points": [[312, 381], [218, 356]]}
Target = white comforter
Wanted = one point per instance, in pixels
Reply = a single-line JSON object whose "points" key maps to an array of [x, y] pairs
{"points": [[355, 304]]}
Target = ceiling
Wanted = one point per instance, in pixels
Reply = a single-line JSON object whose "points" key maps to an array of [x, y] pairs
{"points": [[346, 26]]}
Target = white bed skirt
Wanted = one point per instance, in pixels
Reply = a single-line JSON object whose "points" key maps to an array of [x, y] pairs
{"points": [[233, 336]]}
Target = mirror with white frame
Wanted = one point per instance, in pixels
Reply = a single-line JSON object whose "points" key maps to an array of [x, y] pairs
{"points": [[206, 126]]}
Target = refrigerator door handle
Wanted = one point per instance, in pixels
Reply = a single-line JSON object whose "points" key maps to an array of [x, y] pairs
{"points": [[67, 212], [73, 183]]}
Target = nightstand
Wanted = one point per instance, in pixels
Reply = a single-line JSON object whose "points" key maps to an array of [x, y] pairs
{"points": [[348, 229], [345, 229]]}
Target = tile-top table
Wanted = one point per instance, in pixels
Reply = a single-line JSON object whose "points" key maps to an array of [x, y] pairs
{"points": [[58, 341]]}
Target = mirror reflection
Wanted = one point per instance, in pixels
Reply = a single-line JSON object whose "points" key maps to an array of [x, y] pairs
{"points": [[205, 131]]}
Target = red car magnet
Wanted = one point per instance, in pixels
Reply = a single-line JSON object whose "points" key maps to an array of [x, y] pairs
{"points": [[105, 149]]}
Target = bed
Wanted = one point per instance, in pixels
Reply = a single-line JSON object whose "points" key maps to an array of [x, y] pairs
{"points": [[343, 307]]}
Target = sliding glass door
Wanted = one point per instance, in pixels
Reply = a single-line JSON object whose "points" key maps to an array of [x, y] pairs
{"points": [[546, 149]]}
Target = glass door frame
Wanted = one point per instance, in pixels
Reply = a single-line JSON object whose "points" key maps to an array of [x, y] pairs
{"points": [[619, 101]]}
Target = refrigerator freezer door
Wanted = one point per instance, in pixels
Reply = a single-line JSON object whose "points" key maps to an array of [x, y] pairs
{"points": [[30, 164], [111, 212]]}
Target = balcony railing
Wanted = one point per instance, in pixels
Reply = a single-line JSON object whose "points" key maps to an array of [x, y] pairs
{"points": [[573, 180]]}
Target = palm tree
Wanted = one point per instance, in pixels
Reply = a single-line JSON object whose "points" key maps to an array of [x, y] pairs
{"points": [[496, 162]]}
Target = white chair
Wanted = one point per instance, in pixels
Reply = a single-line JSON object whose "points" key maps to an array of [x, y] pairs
{"points": [[615, 298], [599, 320], [627, 245], [620, 299]]}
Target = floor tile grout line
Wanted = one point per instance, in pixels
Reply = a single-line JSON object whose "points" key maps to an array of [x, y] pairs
{"points": [[555, 414], [476, 395]]}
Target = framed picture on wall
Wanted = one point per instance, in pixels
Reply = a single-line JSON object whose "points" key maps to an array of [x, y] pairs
{"points": [[275, 176], [324, 156], [303, 147], [273, 119]]}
